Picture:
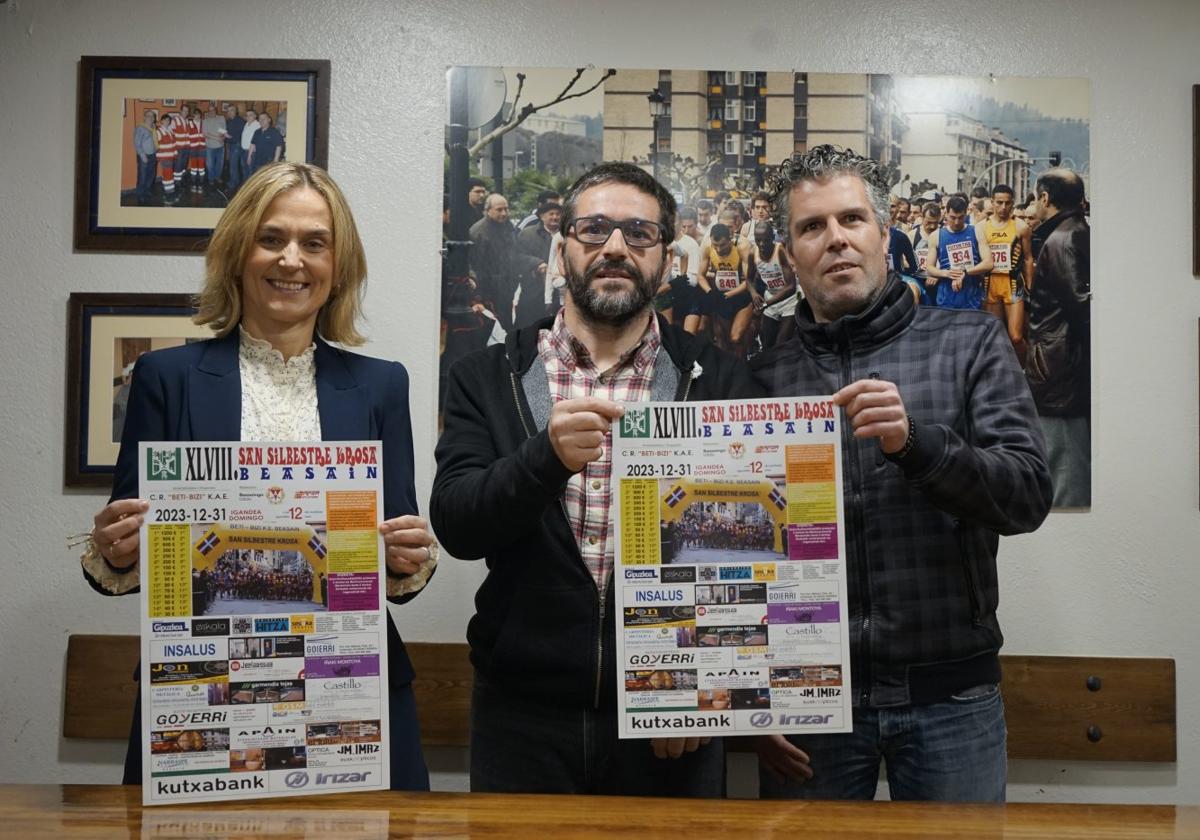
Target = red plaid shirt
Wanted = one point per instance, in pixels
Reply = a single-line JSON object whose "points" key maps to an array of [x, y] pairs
{"points": [[573, 374]]}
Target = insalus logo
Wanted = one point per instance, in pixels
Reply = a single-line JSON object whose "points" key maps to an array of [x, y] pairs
{"points": [[164, 465]]}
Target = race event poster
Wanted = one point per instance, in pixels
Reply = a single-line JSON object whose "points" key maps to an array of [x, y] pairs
{"points": [[730, 568], [264, 632]]}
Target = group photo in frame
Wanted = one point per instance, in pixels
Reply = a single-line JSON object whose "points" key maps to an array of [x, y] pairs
{"points": [[517, 137], [162, 144], [106, 334]]}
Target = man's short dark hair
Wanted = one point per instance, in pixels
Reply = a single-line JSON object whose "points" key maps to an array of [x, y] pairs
{"points": [[821, 163], [761, 195], [932, 207], [1063, 188], [956, 204], [705, 204], [723, 196], [719, 231], [472, 183], [619, 172], [548, 197], [979, 192], [687, 213], [1003, 188], [902, 200]]}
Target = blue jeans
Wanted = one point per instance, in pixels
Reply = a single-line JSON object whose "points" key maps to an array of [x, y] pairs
{"points": [[145, 176], [519, 745], [237, 166], [214, 159], [954, 751]]}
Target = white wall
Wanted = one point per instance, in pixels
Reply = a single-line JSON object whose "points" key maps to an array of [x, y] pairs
{"points": [[1119, 580]]}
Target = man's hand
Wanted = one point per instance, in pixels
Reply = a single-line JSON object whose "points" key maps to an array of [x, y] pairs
{"points": [[782, 758], [115, 531], [874, 409], [406, 540], [956, 279], [675, 747], [577, 428]]}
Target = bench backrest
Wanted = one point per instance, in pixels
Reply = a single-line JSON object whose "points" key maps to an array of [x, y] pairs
{"points": [[1063, 708]]}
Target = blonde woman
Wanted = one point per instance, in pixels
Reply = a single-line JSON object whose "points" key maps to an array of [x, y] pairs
{"points": [[284, 276]]}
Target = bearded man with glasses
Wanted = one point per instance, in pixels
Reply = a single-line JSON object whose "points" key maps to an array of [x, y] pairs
{"points": [[523, 481]]}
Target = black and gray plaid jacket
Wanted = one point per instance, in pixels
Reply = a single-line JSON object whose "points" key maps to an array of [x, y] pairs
{"points": [[922, 533]]}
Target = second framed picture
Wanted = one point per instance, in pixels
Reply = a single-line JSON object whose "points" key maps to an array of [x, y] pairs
{"points": [[106, 333], [162, 144]]}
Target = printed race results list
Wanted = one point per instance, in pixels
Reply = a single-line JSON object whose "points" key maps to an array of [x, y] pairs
{"points": [[730, 568], [264, 644]]}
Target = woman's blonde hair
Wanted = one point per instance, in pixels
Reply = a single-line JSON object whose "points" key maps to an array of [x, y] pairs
{"points": [[219, 304]]}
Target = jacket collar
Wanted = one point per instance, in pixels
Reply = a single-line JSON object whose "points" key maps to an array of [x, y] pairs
{"points": [[521, 345], [886, 317], [215, 393], [1050, 225]]}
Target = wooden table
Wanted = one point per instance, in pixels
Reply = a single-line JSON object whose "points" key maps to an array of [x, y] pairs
{"points": [[72, 811]]}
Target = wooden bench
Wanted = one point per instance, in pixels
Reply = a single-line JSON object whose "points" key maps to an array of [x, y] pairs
{"points": [[1062, 708]]}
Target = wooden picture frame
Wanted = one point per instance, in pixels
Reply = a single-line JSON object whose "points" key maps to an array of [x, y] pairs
{"points": [[1195, 179], [106, 332], [114, 210]]}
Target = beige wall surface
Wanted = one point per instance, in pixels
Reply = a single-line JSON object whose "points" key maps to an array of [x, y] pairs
{"points": [[1117, 580]]}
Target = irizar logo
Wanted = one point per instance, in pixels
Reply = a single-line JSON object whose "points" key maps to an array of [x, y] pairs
{"points": [[164, 465], [761, 719], [299, 778], [635, 423]]}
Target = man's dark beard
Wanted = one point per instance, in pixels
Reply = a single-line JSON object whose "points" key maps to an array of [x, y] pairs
{"points": [[609, 308]]}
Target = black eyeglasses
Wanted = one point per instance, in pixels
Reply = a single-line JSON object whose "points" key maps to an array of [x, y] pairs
{"points": [[595, 230]]}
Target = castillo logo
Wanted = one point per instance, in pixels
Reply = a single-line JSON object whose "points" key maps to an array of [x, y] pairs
{"points": [[275, 495], [737, 449]]}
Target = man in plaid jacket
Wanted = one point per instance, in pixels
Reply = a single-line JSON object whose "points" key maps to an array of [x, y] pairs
{"points": [[941, 454]]}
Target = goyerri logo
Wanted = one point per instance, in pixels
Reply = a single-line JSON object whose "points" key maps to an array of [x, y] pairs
{"points": [[636, 423], [164, 465]]}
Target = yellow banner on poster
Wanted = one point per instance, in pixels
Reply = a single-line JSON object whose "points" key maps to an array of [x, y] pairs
{"points": [[762, 492], [219, 538]]}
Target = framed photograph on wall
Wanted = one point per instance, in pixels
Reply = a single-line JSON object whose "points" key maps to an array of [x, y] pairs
{"points": [[106, 333], [1195, 179], [161, 144]]}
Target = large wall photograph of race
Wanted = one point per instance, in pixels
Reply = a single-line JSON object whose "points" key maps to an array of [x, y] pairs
{"points": [[247, 570], [990, 181]]}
